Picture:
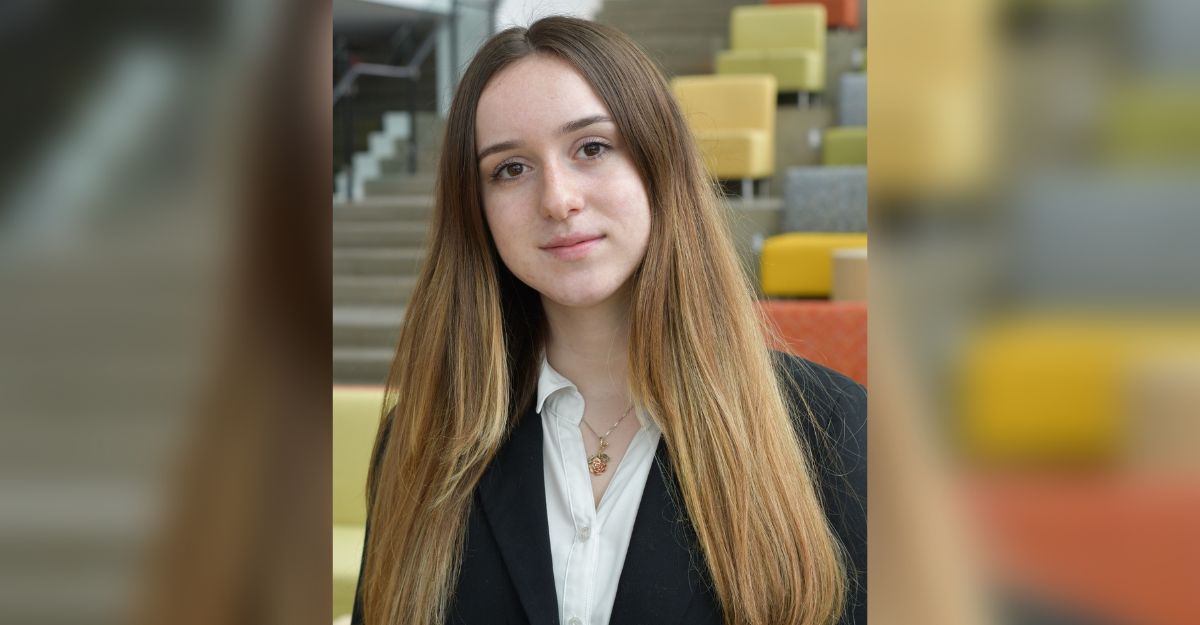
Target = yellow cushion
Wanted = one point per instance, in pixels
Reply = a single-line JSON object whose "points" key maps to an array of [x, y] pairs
{"points": [[733, 119], [355, 423], [732, 154], [844, 145], [1043, 390], [800, 264], [794, 70], [774, 27], [347, 556]]}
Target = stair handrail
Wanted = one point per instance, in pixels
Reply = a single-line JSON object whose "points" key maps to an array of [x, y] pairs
{"points": [[411, 70]]}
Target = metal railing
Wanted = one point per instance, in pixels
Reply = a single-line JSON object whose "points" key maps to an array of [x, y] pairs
{"points": [[410, 70], [344, 87], [343, 96]]}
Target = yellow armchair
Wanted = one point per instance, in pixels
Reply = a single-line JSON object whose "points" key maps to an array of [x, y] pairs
{"points": [[356, 412], [733, 119]]}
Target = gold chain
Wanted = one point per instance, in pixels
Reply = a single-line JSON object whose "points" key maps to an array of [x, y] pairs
{"points": [[598, 462]]}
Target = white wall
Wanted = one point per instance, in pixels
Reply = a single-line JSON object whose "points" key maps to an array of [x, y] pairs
{"points": [[522, 12]]}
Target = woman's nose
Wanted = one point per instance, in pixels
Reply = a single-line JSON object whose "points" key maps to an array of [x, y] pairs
{"points": [[561, 193]]}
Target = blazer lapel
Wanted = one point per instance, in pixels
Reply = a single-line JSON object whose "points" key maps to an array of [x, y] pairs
{"points": [[513, 492], [658, 579]]}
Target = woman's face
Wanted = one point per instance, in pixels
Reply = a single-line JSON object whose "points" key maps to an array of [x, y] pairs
{"points": [[563, 200]]}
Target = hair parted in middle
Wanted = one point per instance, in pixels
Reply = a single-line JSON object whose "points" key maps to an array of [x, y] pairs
{"points": [[471, 343]]}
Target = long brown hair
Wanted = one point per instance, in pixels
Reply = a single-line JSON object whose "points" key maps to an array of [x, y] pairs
{"points": [[467, 358]]}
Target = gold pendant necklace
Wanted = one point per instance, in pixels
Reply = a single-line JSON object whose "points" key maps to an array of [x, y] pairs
{"points": [[598, 462]]}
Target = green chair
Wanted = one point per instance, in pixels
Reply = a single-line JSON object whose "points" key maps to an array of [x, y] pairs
{"points": [[844, 145], [787, 42]]}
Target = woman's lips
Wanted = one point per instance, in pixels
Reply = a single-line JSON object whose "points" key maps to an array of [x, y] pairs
{"points": [[573, 248]]}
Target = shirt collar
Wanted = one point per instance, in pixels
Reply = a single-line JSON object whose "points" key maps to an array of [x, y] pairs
{"points": [[551, 381]]}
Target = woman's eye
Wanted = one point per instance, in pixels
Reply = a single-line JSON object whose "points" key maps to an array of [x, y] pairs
{"points": [[593, 149], [509, 170]]}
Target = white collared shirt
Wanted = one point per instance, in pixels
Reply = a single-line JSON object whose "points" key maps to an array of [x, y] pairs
{"points": [[588, 543]]}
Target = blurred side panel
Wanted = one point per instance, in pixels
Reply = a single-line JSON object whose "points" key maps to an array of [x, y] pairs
{"points": [[1036, 309], [164, 323]]}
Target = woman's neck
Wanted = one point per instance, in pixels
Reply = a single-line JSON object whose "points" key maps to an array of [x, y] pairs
{"points": [[589, 347]]}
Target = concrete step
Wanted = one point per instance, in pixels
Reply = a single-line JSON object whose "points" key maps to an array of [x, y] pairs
{"points": [[426, 166], [694, 17], [357, 365], [673, 65], [673, 4], [400, 167], [372, 290], [377, 262], [755, 216], [687, 40], [430, 129], [427, 160], [682, 54], [792, 147], [751, 221], [350, 234], [842, 42], [839, 59], [406, 184], [427, 140], [366, 326], [714, 27], [412, 208]]}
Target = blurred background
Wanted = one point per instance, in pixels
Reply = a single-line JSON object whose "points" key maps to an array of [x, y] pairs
{"points": [[1034, 356], [173, 282]]}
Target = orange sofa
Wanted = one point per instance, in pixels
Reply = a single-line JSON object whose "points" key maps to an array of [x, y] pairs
{"points": [[833, 334]]}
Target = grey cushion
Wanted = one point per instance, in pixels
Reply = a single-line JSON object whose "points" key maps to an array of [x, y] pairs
{"points": [[825, 199], [852, 103]]}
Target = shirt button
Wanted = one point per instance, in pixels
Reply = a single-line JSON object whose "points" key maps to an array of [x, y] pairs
{"points": [[585, 533], [574, 621]]}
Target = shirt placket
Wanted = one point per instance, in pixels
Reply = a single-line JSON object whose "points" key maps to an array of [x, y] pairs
{"points": [[581, 565]]}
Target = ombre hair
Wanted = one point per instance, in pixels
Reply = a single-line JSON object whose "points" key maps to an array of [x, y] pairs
{"points": [[469, 351]]}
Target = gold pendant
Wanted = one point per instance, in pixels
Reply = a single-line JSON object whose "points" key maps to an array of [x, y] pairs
{"points": [[598, 463]]}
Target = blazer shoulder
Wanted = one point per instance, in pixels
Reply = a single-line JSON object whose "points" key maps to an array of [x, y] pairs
{"points": [[836, 435], [829, 413], [831, 396]]}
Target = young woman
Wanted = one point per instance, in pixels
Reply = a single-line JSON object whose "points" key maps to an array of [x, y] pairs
{"points": [[584, 424]]}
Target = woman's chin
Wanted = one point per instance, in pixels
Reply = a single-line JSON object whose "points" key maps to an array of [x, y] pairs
{"points": [[578, 298]]}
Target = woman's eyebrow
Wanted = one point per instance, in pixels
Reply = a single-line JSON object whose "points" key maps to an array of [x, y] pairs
{"points": [[498, 147], [566, 128], [582, 123]]}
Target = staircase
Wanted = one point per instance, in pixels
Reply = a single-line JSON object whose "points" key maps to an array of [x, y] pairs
{"points": [[378, 247], [683, 36]]}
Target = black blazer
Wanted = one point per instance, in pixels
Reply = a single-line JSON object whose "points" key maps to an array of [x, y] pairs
{"points": [[507, 572]]}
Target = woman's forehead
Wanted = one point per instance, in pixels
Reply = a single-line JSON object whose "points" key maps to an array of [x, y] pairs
{"points": [[533, 98]]}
